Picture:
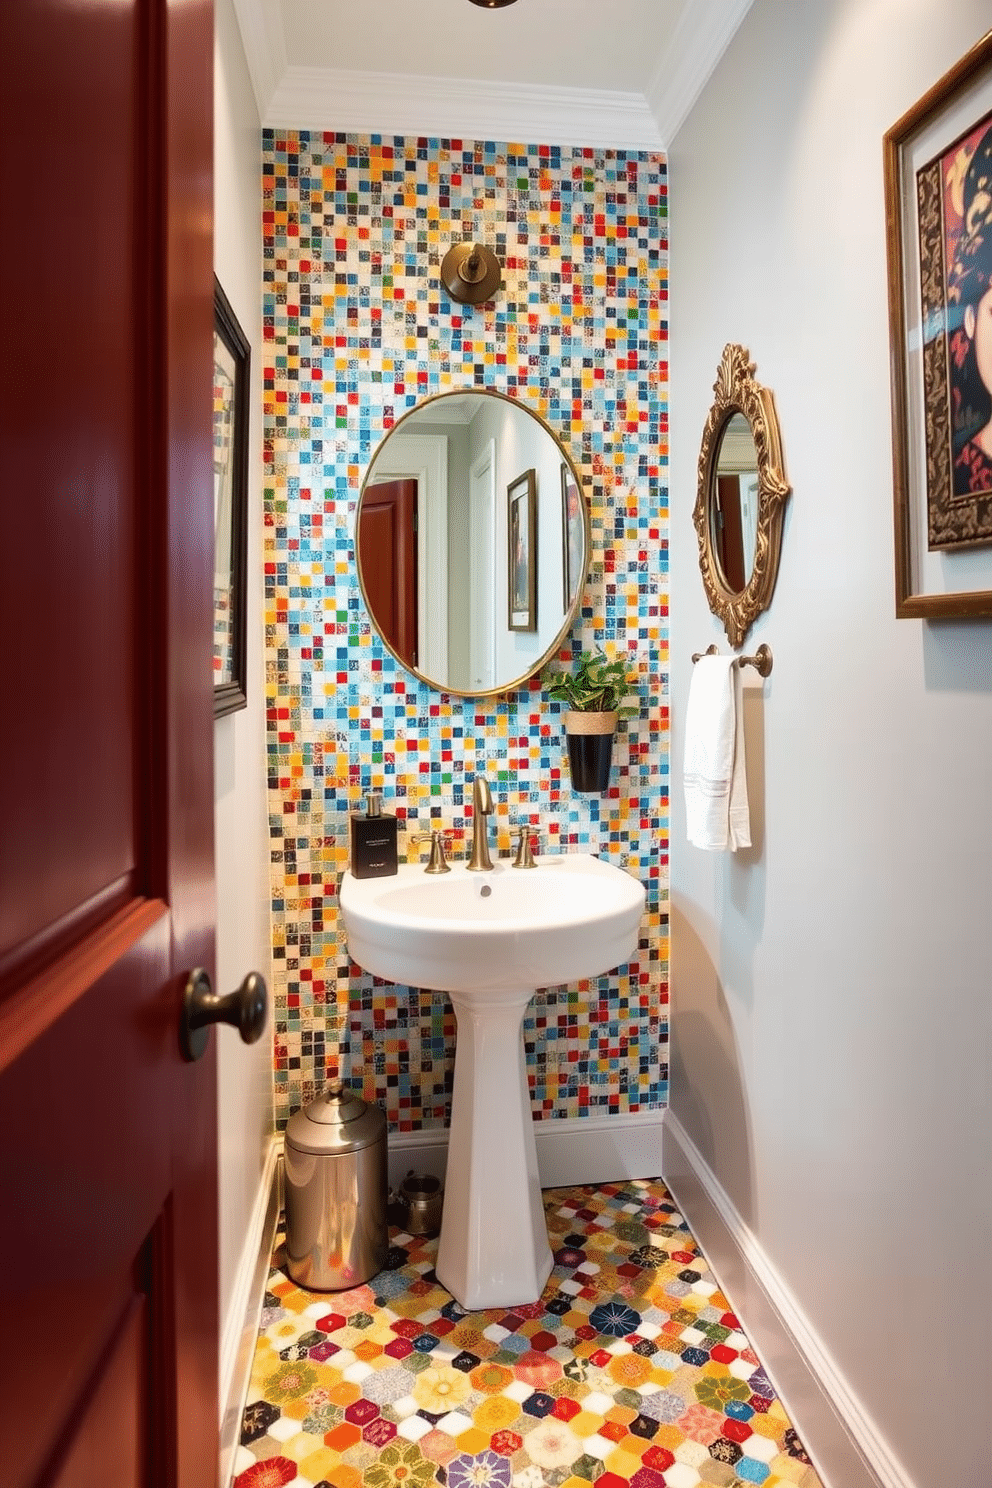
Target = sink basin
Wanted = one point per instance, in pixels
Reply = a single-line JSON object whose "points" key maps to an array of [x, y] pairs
{"points": [[573, 916], [490, 940]]}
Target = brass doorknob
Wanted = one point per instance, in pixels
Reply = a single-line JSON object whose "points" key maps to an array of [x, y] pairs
{"points": [[244, 1009]]}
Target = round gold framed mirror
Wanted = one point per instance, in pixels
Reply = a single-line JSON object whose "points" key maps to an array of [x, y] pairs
{"points": [[740, 496], [472, 542]]}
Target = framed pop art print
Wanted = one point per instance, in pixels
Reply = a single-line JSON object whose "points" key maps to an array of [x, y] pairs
{"points": [[938, 197]]}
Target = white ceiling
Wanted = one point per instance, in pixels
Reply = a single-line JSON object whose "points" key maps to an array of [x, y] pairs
{"points": [[620, 73]]}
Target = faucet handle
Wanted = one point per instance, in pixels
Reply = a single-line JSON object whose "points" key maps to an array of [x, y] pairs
{"points": [[524, 857], [437, 863]]}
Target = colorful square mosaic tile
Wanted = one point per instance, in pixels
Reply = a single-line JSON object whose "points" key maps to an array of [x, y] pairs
{"points": [[356, 331], [631, 1371]]}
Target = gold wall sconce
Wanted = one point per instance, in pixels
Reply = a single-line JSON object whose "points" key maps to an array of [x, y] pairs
{"points": [[470, 273]]}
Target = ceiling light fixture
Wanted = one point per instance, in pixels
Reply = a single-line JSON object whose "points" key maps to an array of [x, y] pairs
{"points": [[493, 4]]}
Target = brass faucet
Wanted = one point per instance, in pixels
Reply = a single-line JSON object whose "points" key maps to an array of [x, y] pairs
{"points": [[482, 805], [525, 855], [438, 860]]}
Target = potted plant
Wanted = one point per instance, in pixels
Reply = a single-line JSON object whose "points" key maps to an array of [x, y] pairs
{"points": [[594, 694]]}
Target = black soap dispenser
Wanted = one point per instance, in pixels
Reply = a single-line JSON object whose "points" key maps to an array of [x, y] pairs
{"points": [[373, 841]]}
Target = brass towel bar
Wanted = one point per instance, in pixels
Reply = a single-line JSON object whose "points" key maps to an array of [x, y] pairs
{"points": [[761, 660]]}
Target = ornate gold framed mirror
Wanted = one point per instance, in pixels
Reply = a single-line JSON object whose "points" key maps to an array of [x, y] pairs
{"points": [[472, 542], [740, 497]]}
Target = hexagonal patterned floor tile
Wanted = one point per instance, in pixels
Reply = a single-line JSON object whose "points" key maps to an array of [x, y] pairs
{"points": [[630, 1372]]}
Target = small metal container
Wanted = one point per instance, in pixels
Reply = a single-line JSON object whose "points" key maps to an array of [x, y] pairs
{"points": [[422, 1199], [337, 1231]]}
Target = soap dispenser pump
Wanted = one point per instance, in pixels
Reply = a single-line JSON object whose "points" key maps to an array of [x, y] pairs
{"points": [[373, 841]]}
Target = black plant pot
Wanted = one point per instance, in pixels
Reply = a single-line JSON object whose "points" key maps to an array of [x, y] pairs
{"points": [[590, 753]]}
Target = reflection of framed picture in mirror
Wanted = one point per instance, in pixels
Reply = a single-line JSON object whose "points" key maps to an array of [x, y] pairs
{"points": [[230, 394], [521, 530], [573, 536]]}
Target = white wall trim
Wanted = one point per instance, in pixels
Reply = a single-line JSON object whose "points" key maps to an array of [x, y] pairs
{"points": [[599, 1149], [838, 1433], [264, 42], [240, 1327], [463, 108], [576, 1150], [699, 39], [300, 97]]}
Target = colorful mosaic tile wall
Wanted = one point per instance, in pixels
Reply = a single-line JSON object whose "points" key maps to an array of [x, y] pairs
{"points": [[357, 330]]}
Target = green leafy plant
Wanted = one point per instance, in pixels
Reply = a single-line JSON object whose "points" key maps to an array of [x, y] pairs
{"points": [[595, 686]]}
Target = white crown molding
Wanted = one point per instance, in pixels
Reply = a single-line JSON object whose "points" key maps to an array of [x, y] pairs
{"points": [[699, 39], [264, 41], [399, 104], [459, 108]]}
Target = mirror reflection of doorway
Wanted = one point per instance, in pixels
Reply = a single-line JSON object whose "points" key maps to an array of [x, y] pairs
{"points": [[465, 448], [734, 514], [728, 537], [482, 571], [387, 552]]}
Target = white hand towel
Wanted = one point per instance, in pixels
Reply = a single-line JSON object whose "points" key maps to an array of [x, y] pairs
{"points": [[714, 776]]}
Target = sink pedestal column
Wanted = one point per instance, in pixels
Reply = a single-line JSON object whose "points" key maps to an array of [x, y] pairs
{"points": [[493, 1250]]}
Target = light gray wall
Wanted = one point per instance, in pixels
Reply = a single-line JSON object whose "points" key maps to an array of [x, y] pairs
{"points": [[243, 942], [831, 987]]}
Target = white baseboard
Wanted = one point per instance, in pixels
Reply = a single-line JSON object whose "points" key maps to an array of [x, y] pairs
{"points": [[418, 1152], [240, 1328], [576, 1150], [844, 1443]]}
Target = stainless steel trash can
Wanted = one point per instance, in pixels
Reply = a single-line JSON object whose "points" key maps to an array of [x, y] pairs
{"points": [[337, 1231]]}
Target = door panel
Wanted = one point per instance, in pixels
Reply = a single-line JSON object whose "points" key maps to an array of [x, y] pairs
{"points": [[387, 552], [69, 413], [108, 1242], [88, 1104], [114, 1415]]}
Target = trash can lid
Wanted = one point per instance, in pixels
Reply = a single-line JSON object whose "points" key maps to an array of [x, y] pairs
{"points": [[336, 1122]]}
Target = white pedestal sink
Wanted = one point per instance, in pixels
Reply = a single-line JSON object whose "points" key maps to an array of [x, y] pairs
{"points": [[490, 940]]}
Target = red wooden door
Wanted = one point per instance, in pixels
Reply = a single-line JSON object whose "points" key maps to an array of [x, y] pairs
{"points": [[108, 1242], [387, 555], [730, 536]]}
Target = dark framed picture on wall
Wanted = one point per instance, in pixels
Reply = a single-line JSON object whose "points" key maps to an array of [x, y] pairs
{"points": [[521, 531], [938, 200], [230, 433]]}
